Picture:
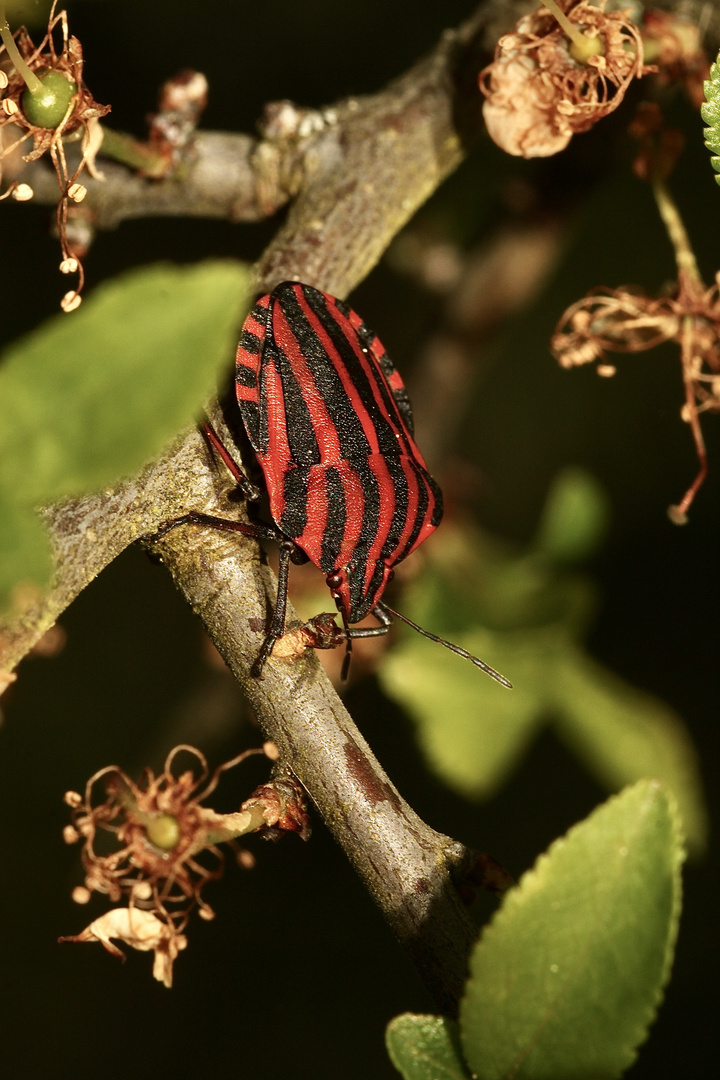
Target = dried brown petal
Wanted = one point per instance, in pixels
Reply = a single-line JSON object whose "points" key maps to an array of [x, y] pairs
{"points": [[140, 930]]}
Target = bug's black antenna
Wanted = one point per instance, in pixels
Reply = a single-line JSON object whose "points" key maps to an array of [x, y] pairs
{"points": [[448, 645]]}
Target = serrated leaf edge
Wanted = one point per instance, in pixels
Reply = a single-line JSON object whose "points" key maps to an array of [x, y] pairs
{"points": [[516, 897]]}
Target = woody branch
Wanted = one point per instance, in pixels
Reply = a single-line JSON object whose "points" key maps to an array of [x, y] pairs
{"points": [[364, 172]]}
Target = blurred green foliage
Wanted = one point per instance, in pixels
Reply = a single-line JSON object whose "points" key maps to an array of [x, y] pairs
{"points": [[526, 613]]}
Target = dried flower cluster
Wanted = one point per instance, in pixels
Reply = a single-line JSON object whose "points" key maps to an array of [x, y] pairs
{"points": [[155, 846], [44, 98], [624, 321], [542, 87]]}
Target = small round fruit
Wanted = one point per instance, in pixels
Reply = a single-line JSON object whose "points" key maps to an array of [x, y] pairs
{"points": [[163, 831], [46, 107]]}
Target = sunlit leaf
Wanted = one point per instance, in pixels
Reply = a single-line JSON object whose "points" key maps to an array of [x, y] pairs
{"points": [[425, 1048], [567, 978], [29, 12], [92, 396], [710, 113]]}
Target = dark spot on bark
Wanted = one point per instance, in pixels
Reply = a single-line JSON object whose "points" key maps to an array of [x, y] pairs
{"points": [[374, 789]]}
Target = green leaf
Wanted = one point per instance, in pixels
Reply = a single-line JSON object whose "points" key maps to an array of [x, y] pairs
{"points": [[710, 113], [93, 396], [470, 729], [25, 561], [567, 978], [622, 734], [425, 1048], [574, 518]]}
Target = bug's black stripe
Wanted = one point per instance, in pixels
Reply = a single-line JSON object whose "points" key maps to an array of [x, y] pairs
{"points": [[439, 506], [253, 412], [347, 408], [304, 449], [368, 531], [399, 483], [398, 392], [364, 599], [250, 342], [250, 412], [353, 443], [335, 525], [381, 417], [425, 486], [295, 489], [367, 337], [245, 376]]}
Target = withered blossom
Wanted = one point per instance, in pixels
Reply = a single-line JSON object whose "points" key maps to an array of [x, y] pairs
{"points": [[155, 845], [44, 67], [542, 87], [625, 321], [674, 44]]}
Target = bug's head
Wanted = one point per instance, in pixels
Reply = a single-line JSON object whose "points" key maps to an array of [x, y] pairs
{"points": [[354, 596]]}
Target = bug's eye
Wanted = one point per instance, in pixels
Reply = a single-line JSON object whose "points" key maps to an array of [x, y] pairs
{"points": [[334, 581]]}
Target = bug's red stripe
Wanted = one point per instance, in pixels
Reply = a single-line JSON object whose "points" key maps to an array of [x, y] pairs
{"points": [[274, 460], [247, 358], [422, 507], [355, 513], [393, 514]]}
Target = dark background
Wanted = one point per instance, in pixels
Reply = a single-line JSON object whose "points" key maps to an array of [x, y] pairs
{"points": [[298, 975]]}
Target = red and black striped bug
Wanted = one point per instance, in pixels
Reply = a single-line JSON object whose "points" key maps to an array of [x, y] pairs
{"points": [[331, 425]]}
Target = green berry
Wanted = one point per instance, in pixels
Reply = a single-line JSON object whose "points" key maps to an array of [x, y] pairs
{"points": [[45, 108], [163, 831]]}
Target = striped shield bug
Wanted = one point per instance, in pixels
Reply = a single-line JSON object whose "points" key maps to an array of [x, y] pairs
{"points": [[330, 422]]}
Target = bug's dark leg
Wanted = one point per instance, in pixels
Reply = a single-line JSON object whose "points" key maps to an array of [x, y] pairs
{"points": [[364, 632], [382, 616], [249, 490], [277, 623], [258, 532]]}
